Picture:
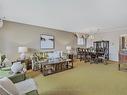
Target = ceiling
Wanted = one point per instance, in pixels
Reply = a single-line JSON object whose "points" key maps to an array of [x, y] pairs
{"points": [[69, 15]]}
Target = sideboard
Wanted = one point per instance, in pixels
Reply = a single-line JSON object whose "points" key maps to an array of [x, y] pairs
{"points": [[122, 58]]}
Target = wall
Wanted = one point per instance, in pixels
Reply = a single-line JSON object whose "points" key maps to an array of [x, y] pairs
{"points": [[13, 35], [89, 42], [113, 38]]}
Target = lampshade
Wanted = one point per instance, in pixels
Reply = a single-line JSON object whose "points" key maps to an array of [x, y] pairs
{"points": [[22, 49], [68, 47], [91, 37]]}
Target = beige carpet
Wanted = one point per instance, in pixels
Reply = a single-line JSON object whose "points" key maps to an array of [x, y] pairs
{"points": [[84, 79]]}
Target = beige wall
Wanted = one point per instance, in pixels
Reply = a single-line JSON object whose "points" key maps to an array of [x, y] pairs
{"points": [[113, 38], [13, 35]]}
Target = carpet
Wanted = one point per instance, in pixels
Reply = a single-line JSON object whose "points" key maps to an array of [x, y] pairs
{"points": [[84, 79]]}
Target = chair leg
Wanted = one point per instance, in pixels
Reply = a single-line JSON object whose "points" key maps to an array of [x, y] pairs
{"points": [[119, 67], [105, 62]]}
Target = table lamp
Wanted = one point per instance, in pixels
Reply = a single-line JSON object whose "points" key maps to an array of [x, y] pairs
{"points": [[22, 51], [68, 48]]}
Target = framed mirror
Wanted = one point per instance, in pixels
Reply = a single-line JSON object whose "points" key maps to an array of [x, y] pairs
{"points": [[123, 42]]}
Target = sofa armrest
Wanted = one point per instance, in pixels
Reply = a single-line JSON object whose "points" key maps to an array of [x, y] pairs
{"points": [[17, 78], [34, 92]]}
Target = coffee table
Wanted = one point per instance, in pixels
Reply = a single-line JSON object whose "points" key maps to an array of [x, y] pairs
{"points": [[55, 66]]}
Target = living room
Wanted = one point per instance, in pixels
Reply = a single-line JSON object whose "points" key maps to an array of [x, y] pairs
{"points": [[63, 47]]}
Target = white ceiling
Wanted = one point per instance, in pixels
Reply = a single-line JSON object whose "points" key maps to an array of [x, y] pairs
{"points": [[68, 15]]}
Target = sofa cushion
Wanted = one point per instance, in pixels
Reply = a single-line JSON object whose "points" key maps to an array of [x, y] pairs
{"points": [[6, 69], [54, 55], [26, 86], [7, 86], [17, 77]]}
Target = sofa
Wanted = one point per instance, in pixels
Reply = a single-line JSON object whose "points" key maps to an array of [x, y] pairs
{"points": [[41, 57], [18, 85]]}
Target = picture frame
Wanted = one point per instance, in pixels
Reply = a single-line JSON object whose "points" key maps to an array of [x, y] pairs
{"points": [[47, 41]]}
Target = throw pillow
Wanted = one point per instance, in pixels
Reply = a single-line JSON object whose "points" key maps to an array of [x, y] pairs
{"points": [[17, 67]]}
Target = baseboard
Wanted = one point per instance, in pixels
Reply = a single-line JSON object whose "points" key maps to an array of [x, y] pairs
{"points": [[114, 61]]}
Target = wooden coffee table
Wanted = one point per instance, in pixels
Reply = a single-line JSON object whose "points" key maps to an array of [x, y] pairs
{"points": [[56, 66]]}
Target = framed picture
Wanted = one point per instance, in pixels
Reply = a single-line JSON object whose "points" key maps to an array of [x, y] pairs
{"points": [[47, 41]]}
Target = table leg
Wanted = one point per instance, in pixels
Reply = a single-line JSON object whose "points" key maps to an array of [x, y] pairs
{"points": [[44, 70], [41, 68], [119, 66], [72, 64]]}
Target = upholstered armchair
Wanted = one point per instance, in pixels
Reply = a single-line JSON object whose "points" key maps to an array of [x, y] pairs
{"points": [[2, 58], [18, 85]]}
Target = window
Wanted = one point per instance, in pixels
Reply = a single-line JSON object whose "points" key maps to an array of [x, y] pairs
{"points": [[80, 40]]}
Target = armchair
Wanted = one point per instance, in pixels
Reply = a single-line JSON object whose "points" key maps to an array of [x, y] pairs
{"points": [[18, 84]]}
